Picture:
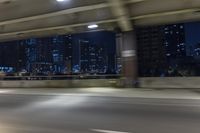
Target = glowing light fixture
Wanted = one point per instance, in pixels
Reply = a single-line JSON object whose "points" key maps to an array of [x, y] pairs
{"points": [[93, 26], [60, 0]]}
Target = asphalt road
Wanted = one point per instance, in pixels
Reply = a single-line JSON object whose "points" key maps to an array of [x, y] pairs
{"points": [[88, 114]]}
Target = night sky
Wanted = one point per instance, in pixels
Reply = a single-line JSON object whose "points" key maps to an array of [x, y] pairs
{"points": [[100, 38], [192, 33]]}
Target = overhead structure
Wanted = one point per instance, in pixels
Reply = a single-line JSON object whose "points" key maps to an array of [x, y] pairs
{"points": [[34, 18], [121, 14]]}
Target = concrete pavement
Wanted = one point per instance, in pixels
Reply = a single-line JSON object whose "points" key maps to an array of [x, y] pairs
{"points": [[111, 92], [98, 110]]}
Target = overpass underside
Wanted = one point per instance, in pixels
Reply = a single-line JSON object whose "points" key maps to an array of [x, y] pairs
{"points": [[22, 19]]}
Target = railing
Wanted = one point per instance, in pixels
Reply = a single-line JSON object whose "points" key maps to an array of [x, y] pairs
{"points": [[60, 77]]}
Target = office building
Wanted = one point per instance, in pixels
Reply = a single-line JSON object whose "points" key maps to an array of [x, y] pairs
{"points": [[151, 51], [39, 59], [174, 41], [62, 54], [160, 47], [49, 55], [93, 58]]}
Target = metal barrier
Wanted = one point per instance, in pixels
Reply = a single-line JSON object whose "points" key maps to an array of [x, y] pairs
{"points": [[60, 77]]}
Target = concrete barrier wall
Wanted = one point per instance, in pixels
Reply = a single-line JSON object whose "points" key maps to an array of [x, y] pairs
{"points": [[170, 82], [175, 82], [58, 83]]}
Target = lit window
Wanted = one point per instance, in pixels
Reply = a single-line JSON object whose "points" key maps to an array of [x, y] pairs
{"points": [[181, 26]]}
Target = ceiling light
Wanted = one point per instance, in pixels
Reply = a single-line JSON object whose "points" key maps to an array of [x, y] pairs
{"points": [[93, 26], [60, 0]]}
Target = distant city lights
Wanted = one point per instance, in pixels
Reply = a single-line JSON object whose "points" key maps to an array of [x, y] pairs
{"points": [[93, 26]]}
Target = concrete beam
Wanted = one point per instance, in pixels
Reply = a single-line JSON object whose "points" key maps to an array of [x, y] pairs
{"points": [[6, 1], [139, 20], [67, 28], [134, 1], [120, 12], [187, 15], [53, 14], [145, 12], [156, 6], [160, 14]]}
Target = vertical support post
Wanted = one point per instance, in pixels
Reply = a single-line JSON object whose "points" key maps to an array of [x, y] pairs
{"points": [[129, 60]]}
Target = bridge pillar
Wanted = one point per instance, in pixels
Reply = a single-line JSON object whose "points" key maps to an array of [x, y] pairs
{"points": [[129, 60]]}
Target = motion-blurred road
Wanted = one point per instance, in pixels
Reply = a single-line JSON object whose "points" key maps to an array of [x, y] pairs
{"points": [[92, 114]]}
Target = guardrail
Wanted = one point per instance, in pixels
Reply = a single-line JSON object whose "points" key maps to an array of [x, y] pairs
{"points": [[60, 77]]}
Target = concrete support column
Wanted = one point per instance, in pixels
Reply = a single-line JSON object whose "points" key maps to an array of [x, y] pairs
{"points": [[129, 60]]}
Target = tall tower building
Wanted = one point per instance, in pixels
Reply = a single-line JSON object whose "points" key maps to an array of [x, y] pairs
{"points": [[92, 57], [151, 51], [39, 59], [174, 41]]}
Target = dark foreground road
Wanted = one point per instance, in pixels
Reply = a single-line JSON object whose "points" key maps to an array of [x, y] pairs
{"points": [[88, 114]]}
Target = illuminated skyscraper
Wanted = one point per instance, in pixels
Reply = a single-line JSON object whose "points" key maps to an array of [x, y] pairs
{"points": [[174, 41], [39, 59], [93, 57], [62, 54], [160, 47]]}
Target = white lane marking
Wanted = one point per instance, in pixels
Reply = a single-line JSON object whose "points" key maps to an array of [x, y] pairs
{"points": [[106, 131]]}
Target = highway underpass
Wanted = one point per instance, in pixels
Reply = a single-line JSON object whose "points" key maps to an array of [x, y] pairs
{"points": [[22, 19], [96, 110]]}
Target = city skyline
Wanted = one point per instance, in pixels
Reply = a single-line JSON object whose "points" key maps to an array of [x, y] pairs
{"points": [[165, 48], [57, 54], [159, 48]]}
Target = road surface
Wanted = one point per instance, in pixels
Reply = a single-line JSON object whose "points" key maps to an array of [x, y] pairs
{"points": [[91, 114]]}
